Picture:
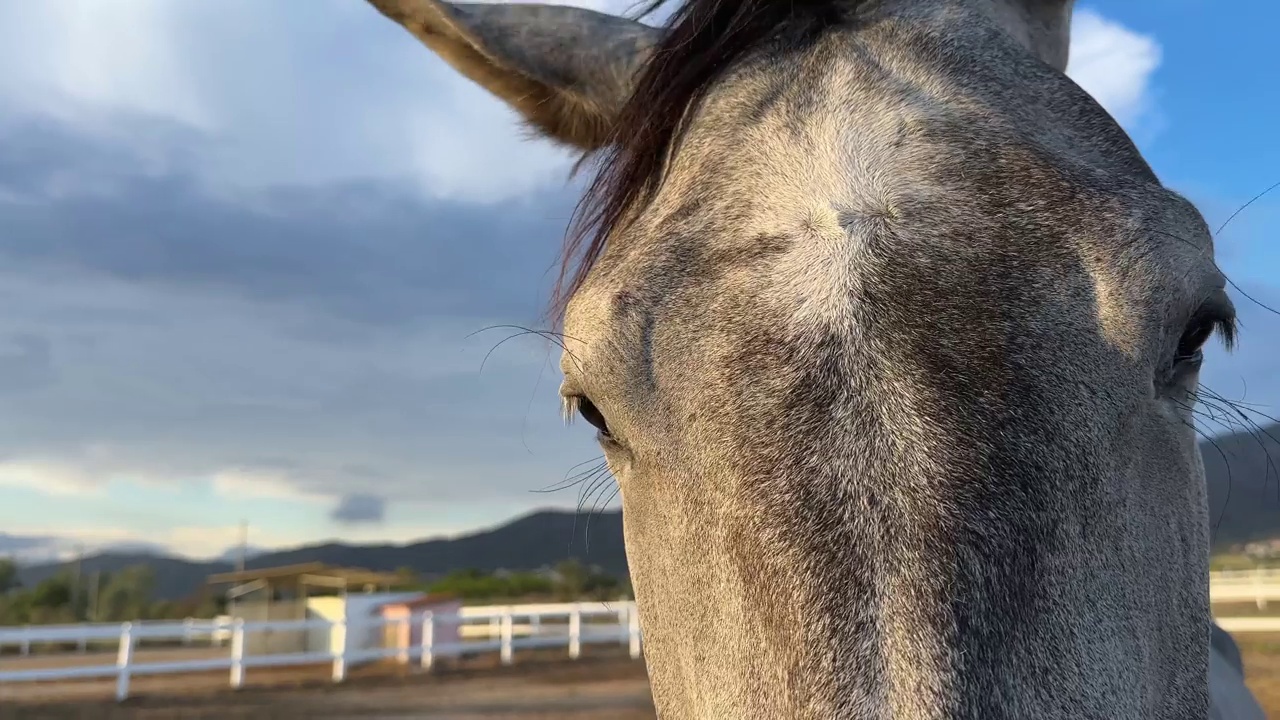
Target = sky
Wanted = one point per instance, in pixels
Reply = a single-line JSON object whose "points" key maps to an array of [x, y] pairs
{"points": [[252, 261]]}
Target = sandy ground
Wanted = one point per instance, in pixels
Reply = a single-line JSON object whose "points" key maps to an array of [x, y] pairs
{"points": [[543, 686], [603, 685], [1262, 668]]}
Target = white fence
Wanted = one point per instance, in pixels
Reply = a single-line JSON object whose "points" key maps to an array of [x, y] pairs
{"points": [[1257, 586], [502, 629], [506, 629]]}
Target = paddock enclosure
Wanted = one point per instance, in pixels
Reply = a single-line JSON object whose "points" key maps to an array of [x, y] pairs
{"points": [[509, 662]]}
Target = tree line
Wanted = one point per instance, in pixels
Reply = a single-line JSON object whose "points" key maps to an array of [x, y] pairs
{"points": [[128, 594], [70, 597], [568, 581]]}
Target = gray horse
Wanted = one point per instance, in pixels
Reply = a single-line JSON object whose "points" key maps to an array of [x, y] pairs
{"points": [[891, 338]]}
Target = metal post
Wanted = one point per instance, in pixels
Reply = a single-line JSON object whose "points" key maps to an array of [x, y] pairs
{"points": [[428, 639], [26, 640], [237, 653], [124, 661]]}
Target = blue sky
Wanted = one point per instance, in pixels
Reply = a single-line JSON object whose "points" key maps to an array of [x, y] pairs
{"points": [[244, 249]]}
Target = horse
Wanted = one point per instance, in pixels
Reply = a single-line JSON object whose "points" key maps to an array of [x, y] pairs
{"points": [[890, 337]]}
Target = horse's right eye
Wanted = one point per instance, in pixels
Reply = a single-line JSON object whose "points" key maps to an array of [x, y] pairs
{"points": [[592, 414]]}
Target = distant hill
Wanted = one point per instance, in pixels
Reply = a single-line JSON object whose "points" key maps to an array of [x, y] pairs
{"points": [[1245, 503], [1242, 471], [530, 542]]}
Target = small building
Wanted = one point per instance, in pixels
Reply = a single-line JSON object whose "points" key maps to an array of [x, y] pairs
{"points": [[306, 591]]}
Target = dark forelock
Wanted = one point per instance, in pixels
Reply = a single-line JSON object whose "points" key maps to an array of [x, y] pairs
{"points": [[703, 39]]}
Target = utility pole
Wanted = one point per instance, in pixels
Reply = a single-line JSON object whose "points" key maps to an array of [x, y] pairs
{"points": [[75, 583], [93, 596], [244, 545]]}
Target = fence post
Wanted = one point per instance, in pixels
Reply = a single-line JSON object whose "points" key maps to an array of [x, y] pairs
{"points": [[507, 631], [187, 628], [623, 623], [82, 645], [340, 638], [26, 640], [575, 632], [428, 639], [124, 661], [633, 627], [237, 653]]}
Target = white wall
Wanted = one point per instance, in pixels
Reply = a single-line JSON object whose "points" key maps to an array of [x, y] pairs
{"points": [[332, 609], [356, 609]]}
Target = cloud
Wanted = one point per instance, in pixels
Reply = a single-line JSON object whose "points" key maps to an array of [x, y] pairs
{"points": [[31, 545], [261, 484], [1115, 65], [270, 102], [116, 56], [359, 508], [26, 363], [289, 348], [56, 477]]}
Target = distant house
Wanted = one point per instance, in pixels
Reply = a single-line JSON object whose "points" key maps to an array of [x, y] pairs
{"points": [[309, 591]]}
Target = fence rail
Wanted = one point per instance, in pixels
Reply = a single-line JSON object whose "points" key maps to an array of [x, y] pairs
{"points": [[1242, 576], [504, 636], [1259, 586]]}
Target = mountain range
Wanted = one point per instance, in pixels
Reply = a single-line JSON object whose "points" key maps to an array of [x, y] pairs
{"points": [[1242, 471], [540, 539]]}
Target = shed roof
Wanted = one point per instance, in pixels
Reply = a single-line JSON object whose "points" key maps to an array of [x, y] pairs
{"points": [[314, 573]]}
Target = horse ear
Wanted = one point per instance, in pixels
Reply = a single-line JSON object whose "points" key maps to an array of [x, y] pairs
{"points": [[567, 70]]}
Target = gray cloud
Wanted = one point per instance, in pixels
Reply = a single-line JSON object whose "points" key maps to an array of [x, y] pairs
{"points": [[26, 363], [157, 328], [359, 508], [367, 251]]}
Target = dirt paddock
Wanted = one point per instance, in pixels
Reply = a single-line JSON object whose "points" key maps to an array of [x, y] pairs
{"points": [[540, 686], [603, 685]]}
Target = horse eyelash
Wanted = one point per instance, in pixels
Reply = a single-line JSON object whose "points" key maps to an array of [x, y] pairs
{"points": [[1227, 331], [569, 407]]}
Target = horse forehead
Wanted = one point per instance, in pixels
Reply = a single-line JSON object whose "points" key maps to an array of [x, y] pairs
{"points": [[821, 208], [794, 264], [786, 184]]}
